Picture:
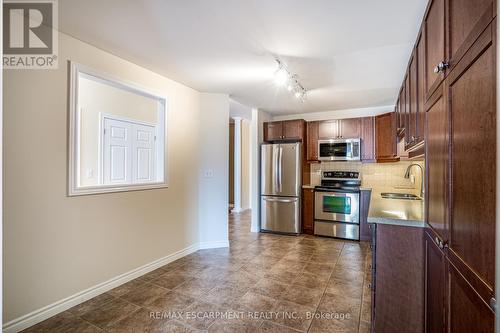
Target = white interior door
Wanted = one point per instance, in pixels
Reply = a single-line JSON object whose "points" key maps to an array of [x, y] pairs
{"points": [[117, 152], [129, 152], [143, 156]]}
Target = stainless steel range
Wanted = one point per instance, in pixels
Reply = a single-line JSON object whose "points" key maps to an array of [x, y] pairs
{"points": [[336, 205]]}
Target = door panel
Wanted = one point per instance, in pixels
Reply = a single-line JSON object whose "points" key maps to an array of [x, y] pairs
{"points": [[437, 158], [273, 131], [117, 152], [434, 44], [289, 166], [312, 140], [328, 129], [473, 113], [143, 154], [280, 214], [434, 286], [368, 138], [385, 136], [269, 174], [408, 129], [420, 87], [467, 20], [467, 311], [350, 128], [413, 114], [293, 129]]}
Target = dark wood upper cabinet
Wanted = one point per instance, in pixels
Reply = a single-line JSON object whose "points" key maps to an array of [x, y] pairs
{"points": [[368, 139], [437, 164], [312, 140], [408, 129], [435, 281], [385, 137], [471, 87], [420, 52], [328, 129], [435, 56], [402, 110], [273, 131], [467, 19], [413, 114], [284, 130], [350, 128]]}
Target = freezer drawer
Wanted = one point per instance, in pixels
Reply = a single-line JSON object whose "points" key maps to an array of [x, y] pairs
{"points": [[280, 214]]}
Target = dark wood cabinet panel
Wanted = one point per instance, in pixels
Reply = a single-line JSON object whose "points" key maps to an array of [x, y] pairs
{"points": [[408, 129], [284, 130], [308, 211], [328, 129], [472, 89], [399, 279], [293, 129], [413, 114], [434, 29], [273, 131], [385, 137], [368, 139], [420, 51], [467, 312], [402, 110], [437, 160], [350, 128], [435, 282], [467, 19], [312, 141]]}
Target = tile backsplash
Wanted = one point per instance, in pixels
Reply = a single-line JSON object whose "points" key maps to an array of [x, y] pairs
{"points": [[382, 177]]}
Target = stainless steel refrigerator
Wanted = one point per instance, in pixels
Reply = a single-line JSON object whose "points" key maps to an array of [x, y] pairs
{"points": [[280, 187]]}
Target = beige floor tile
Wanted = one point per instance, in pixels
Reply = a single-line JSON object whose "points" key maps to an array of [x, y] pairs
{"points": [[145, 294]]}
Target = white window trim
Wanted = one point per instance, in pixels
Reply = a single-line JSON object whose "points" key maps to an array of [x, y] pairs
{"points": [[73, 139]]}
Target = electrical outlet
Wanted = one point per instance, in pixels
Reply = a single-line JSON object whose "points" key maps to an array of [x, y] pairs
{"points": [[90, 173]]}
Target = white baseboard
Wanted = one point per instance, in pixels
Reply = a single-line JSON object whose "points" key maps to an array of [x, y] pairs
{"points": [[48, 311], [213, 245]]}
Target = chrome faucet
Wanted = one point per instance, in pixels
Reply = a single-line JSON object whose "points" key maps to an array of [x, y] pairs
{"points": [[407, 176]]}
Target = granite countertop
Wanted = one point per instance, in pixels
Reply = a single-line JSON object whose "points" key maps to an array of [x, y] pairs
{"points": [[308, 186], [396, 211]]}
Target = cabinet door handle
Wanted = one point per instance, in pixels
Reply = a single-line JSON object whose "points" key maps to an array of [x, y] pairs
{"points": [[441, 67]]}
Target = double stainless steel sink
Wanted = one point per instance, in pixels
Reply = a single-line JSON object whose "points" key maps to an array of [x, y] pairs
{"points": [[403, 196]]}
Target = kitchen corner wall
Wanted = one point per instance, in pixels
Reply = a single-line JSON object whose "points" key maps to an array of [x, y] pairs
{"points": [[381, 177]]}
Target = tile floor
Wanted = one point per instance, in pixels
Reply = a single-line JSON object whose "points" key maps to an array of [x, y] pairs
{"points": [[262, 283]]}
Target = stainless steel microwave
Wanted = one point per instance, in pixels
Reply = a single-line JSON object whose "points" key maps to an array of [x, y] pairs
{"points": [[339, 150]]}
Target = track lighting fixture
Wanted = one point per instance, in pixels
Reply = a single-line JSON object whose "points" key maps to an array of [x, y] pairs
{"points": [[283, 77]]}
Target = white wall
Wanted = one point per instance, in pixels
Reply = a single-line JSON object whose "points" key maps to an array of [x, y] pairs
{"points": [[338, 114], [257, 137], [213, 157], [245, 164], [56, 246]]}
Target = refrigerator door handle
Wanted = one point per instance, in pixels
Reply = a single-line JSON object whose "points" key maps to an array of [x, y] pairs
{"points": [[280, 167], [275, 169], [280, 200]]}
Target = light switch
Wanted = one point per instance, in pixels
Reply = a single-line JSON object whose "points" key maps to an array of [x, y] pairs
{"points": [[208, 173]]}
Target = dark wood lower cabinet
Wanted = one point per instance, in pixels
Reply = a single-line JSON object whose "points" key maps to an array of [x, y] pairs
{"points": [[308, 211], [399, 279], [467, 311], [434, 285]]}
